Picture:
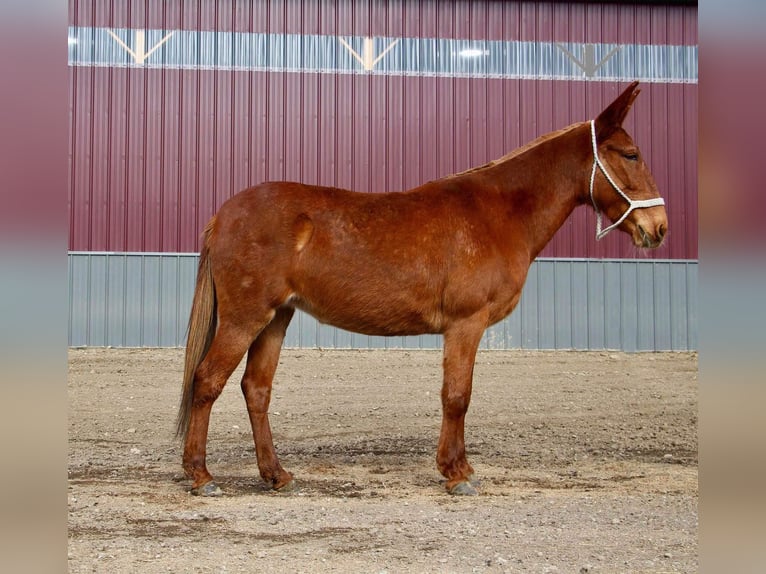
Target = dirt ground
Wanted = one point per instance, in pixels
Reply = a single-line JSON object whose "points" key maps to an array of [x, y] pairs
{"points": [[587, 461]]}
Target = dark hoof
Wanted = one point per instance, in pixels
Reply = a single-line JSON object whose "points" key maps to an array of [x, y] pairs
{"points": [[463, 489], [207, 489]]}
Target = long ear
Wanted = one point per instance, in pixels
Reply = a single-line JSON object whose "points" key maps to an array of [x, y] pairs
{"points": [[613, 116]]}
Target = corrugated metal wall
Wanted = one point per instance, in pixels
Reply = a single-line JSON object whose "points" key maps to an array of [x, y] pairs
{"points": [[176, 106], [239, 93], [143, 300]]}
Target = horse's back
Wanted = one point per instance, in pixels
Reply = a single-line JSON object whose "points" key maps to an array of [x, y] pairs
{"points": [[381, 222]]}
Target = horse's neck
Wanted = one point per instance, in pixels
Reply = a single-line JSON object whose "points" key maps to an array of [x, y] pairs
{"points": [[543, 185]]}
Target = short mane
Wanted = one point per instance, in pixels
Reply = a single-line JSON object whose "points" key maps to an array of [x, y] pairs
{"points": [[518, 151]]}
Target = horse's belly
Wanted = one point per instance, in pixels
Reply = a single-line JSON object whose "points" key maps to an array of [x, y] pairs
{"points": [[371, 316]]}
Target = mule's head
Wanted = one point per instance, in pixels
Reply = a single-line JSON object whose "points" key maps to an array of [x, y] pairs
{"points": [[621, 184]]}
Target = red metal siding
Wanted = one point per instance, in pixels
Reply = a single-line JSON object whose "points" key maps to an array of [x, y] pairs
{"points": [[615, 22], [155, 152]]}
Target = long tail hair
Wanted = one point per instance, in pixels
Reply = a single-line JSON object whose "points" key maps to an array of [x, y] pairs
{"points": [[202, 325]]}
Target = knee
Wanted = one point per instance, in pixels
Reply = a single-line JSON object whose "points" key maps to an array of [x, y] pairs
{"points": [[455, 405]]}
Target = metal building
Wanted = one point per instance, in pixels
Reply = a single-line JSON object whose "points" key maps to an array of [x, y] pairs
{"points": [[176, 106]]}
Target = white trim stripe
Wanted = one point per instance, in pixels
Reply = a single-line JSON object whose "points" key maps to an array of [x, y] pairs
{"points": [[432, 57]]}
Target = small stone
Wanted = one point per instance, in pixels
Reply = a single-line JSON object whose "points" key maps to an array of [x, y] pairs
{"points": [[131, 430], [135, 450]]}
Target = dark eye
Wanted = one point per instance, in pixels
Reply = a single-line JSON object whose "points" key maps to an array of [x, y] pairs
{"points": [[630, 156]]}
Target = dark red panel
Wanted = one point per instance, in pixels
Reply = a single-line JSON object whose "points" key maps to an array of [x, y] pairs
{"points": [[327, 128], [80, 157], [403, 156], [157, 152], [360, 133]]}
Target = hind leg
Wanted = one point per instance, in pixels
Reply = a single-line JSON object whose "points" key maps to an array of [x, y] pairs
{"points": [[226, 351], [262, 360]]}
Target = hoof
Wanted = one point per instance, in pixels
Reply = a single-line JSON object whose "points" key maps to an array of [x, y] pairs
{"points": [[207, 489], [463, 489], [287, 487], [473, 480]]}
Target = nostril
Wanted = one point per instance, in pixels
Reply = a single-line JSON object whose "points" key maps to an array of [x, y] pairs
{"points": [[661, 230]]}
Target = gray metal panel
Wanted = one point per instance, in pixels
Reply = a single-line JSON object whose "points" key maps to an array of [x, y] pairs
{"points": [[662, 307], [596, 306], [612, 305], [513, 329], [645, 308], [546, 311], [78, 300], [134, 301], [628, 306], [529, 311], [562, 304], [187, 273], [150, 292], [97, 315], [580, 312], [115, 286], [692, 305], [143, 300], [293, 335], [169, 332], [679, 333]]}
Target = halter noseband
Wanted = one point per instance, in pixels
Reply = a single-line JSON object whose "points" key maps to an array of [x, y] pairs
{"points": [[632, 203]]}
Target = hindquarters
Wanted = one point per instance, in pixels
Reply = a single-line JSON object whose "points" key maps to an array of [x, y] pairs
{"points": [[240, 287], [241, 281]]}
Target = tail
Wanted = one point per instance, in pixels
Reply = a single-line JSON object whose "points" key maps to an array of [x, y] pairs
{"points": [[201, 330]]}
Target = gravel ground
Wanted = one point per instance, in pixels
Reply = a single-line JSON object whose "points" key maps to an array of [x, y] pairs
{"points": [[587, 461]]}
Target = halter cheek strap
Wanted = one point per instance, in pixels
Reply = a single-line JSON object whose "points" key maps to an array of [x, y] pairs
{"points": [[632, 203]]}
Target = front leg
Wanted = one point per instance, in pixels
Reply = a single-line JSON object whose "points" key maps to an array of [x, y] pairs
{"points": [[461, 341]]}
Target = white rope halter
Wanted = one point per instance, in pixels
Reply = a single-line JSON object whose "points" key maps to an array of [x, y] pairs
{"points": [[632, 203]]}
